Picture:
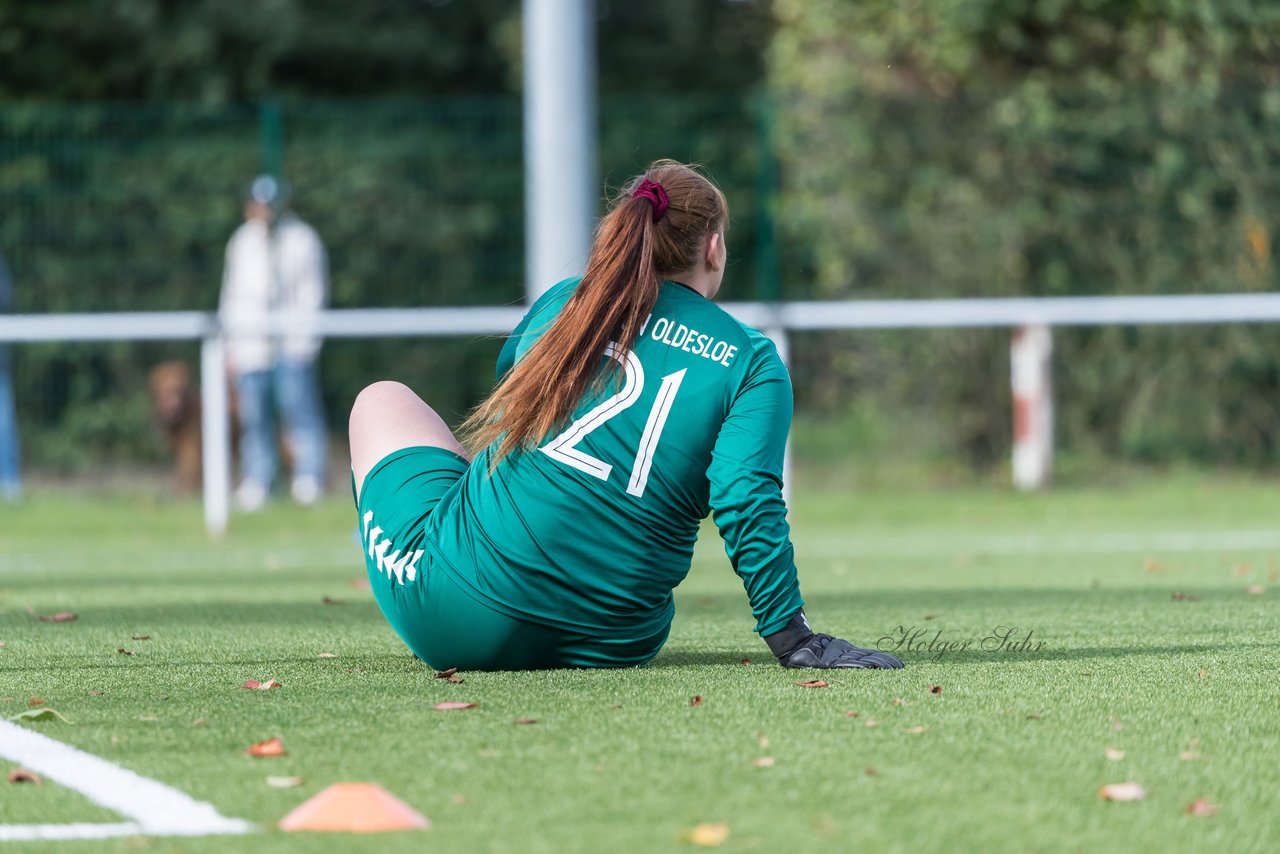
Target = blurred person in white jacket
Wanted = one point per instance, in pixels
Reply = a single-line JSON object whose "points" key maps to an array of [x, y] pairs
{"points": [[275, 264]]}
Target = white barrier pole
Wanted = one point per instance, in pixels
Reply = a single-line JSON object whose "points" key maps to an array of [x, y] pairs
{"points": [[215, 433], [559, 139], [1030, 372]]}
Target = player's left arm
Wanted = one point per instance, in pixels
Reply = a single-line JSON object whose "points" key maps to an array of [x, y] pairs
{"points": [[747, 503], [746, 491]]}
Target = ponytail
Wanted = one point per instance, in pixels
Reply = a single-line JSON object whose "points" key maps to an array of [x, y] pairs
{"points": [[635, 243]]}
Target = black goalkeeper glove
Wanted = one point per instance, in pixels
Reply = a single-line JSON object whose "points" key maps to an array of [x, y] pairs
{"points": [[797, 646]]}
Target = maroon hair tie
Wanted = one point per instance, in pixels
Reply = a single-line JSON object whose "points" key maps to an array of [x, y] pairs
{"points": [[655, 193]]}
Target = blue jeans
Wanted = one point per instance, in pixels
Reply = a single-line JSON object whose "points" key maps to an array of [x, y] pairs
{"points": [[294, 386], [10, 479]]}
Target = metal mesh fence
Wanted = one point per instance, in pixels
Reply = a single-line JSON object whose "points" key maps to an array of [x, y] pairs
{"points": [[128, 207]]}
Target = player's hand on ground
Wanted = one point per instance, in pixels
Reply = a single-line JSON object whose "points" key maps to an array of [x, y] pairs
{"points": [[798, 646], [824, 651]]}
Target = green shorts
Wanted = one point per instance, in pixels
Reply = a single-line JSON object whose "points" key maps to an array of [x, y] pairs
{"points": [[438, 618]]}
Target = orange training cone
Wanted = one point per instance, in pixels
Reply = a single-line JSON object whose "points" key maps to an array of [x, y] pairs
{"points": [[355, 807]]}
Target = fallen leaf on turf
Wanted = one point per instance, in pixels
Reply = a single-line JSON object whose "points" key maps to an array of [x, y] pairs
{"points": [[60, 617], [1113, 754], [1201, 807], [916, 730], [525, 721], [445, 707], [94, 692], [1189, 755], [140, 637], [814, 683], [763, 741], [1202, 674], [450, 675], [199, 721], [764, 762], [1129, 791], [329, 600], [124, 651], [151, 719], [935, 689], [744, 661], [707, 835], [871, 772], [1152, 565], [284, 782], [1, 644], [45, 714], [360, 584], [270, 747], [871, 722], [850, 714], [695, 700], [460, 800], [7, 699], [1034, 716], [1240, 570], [1182, 597], [22, 775], [326, 655], [898, 701], [1255, 590], [262, 686], [35, 701]]}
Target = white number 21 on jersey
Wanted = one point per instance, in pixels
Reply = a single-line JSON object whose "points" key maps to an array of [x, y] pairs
{"points": [[563, 448]]}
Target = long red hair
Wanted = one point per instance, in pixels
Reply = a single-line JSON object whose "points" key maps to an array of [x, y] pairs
{"points": [[630, 255]]}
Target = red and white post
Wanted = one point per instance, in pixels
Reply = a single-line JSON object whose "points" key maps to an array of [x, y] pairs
{"points": [[1029, 359]]}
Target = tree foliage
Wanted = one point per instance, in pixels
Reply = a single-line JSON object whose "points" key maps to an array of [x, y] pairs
{"points": [[218, 51], [1044, 147]]}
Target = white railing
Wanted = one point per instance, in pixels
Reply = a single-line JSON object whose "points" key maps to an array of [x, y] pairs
{"points": [[774, 319]]}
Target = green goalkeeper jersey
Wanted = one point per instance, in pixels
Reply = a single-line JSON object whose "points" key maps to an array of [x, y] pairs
{"points": [[596, 527]]}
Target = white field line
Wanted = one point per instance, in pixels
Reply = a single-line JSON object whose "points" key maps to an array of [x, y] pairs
{"points": [[153, 808], [933, 545], [132, 557], [21, 832]]}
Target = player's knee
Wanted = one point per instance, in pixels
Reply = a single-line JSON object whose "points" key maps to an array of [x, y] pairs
{"points": [[375, 398]]}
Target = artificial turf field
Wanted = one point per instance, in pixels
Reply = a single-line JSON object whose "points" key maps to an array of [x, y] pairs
{"points": [[1153, 644]]}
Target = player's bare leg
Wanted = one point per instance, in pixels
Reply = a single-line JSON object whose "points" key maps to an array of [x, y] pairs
{"points": [[388, 416]]}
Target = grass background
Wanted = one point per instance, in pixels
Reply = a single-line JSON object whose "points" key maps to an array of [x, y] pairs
{"points": [[1011, 757]]}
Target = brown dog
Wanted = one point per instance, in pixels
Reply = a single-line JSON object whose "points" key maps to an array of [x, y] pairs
{"points": [[175, 404]]}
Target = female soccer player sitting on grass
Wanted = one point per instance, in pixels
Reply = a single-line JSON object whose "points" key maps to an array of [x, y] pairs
{"points": [[629, 405]]}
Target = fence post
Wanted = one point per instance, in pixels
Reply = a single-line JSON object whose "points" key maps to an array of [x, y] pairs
{"points": [[214, 424], [272, 128], [1030, 373], [560, 189]]}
